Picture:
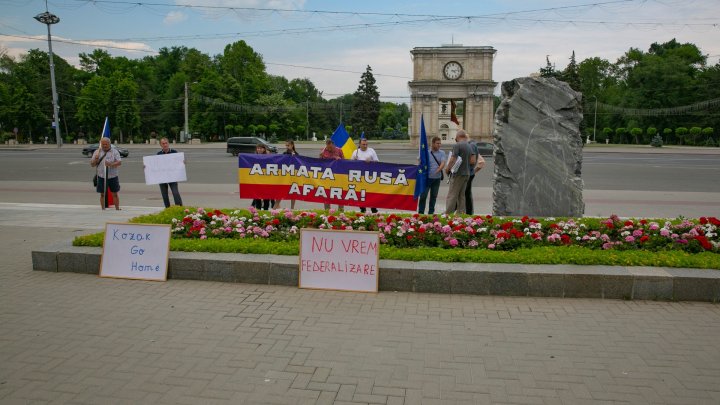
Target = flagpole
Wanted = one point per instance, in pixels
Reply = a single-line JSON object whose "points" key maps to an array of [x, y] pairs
{"points": [[107, 188]]}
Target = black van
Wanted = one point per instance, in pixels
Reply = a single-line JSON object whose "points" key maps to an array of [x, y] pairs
{"points": [[246, 144]]}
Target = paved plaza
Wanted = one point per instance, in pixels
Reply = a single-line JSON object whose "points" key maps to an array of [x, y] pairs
{"points": [[70, 338], [73, 338]]}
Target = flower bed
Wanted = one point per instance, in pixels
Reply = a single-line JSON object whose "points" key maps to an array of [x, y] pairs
{"points": [[459, 232]]}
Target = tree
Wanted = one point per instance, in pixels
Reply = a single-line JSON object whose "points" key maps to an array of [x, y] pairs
{"points": [[366, 104], [571, 74], [246, 67], [549, 69]]}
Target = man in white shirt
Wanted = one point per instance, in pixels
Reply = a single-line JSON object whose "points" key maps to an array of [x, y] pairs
{"points": [[367, 155]]}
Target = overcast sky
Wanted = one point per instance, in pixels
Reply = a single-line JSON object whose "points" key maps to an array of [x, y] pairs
{"points": [[331, 42]]}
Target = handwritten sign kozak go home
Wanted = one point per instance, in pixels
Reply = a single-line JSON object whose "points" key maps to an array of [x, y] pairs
{"points": [[339, 260], [135, 251]]}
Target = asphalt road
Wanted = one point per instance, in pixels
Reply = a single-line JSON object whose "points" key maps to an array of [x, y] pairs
{"points": [[601, 171], [624, 182]]}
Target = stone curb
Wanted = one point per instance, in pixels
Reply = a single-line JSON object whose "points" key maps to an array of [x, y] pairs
{"points": [[561, 281]]}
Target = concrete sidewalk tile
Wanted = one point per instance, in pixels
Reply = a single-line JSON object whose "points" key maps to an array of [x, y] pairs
{"points": [[346, 392]]}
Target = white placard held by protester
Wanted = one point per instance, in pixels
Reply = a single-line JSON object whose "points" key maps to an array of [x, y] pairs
{"points": [[339, 260], [165, 168], [135, 251]]}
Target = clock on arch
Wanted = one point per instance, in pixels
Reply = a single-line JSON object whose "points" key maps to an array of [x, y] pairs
{"points": [[452, 70]]}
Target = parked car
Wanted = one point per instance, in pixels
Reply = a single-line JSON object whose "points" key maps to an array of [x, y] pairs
{"points": [[485, 148], [91, 148], [246, 144]]}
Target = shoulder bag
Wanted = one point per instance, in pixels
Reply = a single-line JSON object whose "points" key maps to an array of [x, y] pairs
{"points": [[95, 180]]}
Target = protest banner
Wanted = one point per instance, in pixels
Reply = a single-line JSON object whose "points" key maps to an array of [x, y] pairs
{"points": [[344, 182], [339, 260], [135, 251], [165, 168]]}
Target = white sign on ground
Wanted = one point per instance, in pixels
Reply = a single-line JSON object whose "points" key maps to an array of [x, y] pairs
{"points": [[339, 260], [135, 251], [165, 168]]}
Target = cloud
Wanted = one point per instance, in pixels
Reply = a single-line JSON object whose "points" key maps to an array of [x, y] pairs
{"points": [[174, 17]]}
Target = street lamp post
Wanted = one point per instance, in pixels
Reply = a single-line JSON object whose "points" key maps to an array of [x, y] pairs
{"points": [[49, 19], [595, 122], [187, 126]]}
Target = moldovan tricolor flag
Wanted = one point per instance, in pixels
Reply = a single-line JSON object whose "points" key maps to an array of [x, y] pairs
{"points": [[342, 140]]}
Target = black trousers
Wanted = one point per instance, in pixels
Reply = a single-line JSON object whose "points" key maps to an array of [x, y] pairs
{"points": [[175, 193]]}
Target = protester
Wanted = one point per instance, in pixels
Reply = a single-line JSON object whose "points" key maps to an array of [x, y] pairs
{"points": [[259, 204], [165, 145], [458, 181], [107, 157], [479, 164], [331, 152], [289, 150], [436, 164], [367, 155]]}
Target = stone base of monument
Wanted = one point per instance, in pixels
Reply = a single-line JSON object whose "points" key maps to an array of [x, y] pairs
{"points": [[568, 281], [538, 150]]}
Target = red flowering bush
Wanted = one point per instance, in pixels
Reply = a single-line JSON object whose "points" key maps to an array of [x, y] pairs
{"points": [[477, 232]]}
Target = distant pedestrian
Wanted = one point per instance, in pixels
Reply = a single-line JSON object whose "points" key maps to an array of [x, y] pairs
{"points": [[435, 176], [365, 154], [165, 149]]}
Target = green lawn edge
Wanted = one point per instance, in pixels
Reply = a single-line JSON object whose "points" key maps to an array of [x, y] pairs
{"points": [[570, 255]]}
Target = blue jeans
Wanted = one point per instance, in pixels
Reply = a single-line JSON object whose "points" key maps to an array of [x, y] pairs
{"points": [[433, 188]]}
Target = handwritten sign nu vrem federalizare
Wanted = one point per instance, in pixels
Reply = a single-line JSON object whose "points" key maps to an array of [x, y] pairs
{"points": [[135, 251], [339, 260]]}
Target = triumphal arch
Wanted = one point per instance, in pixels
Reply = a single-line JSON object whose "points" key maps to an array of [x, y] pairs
{"points": [[452, 88]]}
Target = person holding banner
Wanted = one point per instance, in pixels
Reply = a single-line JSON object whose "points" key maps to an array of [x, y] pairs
{"points": [[436, 165], [459, 179], [259, 204], [107, 160], [165, 145], [366, 155], [289, 150], [331, 152]]}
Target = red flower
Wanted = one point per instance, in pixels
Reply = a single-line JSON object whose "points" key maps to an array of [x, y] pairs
{"points": [[714, 221], [703, 242], [629, 223], [416, 215], [506, 226], [331, 218], [644, 238], [554, 226], [409, 237], [525, 219], [276, 221], [535, 235], [643, 221], [703, 220], [565, 239], [422, 230]]}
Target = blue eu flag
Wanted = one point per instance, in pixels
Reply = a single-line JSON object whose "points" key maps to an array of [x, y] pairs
{"points": [[421, 182]]}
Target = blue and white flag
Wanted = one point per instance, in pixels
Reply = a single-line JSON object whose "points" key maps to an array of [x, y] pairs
{"points": [[106, 128]]}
